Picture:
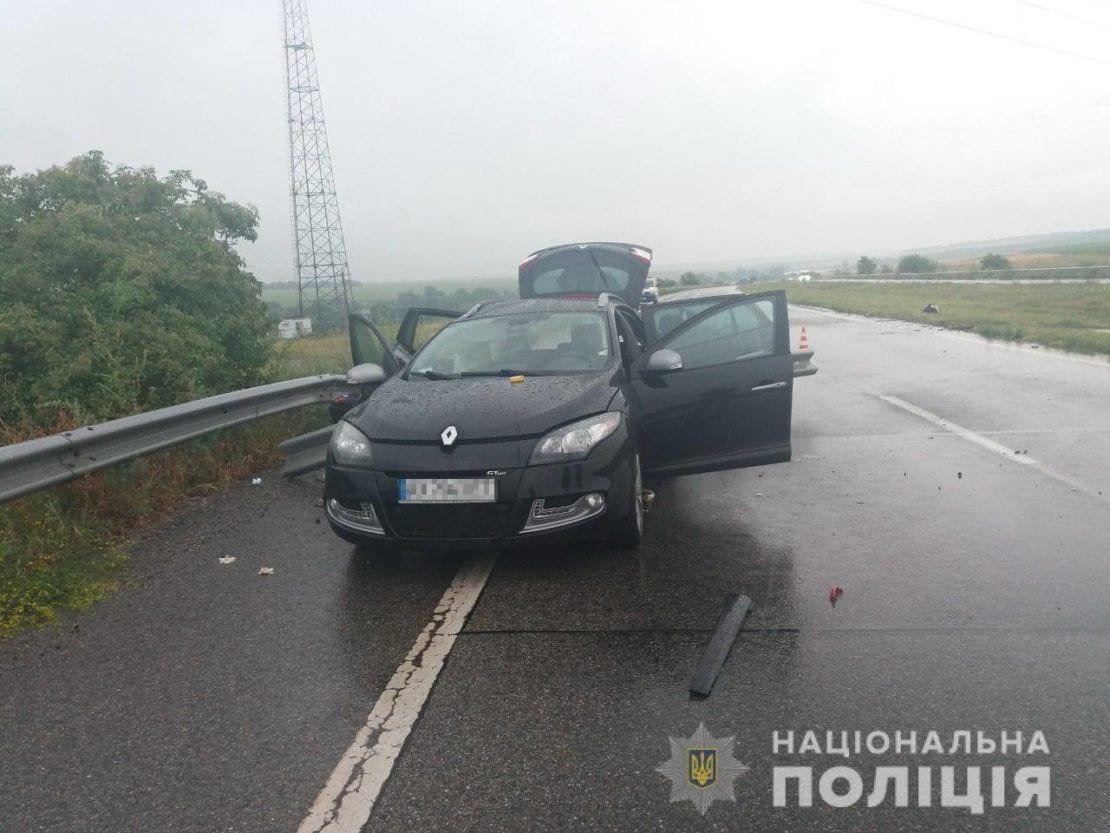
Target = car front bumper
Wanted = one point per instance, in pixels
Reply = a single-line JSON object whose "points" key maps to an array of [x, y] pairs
{"points": [[579, 499]]}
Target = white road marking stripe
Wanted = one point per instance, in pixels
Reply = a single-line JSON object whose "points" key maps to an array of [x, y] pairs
{"points": [[345, 803], [991, 445]]}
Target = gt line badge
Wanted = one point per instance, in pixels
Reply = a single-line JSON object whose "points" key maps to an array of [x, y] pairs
{"points": [[449, 435], [701, 768]]}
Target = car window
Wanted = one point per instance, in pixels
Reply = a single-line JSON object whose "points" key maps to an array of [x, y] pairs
{"points": [[671, 315], [365, 344], [576, 271], [547, 343], [737, 331]]}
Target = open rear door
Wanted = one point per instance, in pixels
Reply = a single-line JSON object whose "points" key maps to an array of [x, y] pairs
{"points": [[725, 400], [418, 327]]}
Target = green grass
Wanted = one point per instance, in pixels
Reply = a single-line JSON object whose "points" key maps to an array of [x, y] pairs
{"points": [[61, 549], [1066, 316], [1099, 250]]}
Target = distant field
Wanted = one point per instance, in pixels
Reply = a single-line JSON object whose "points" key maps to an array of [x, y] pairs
{"points": [[368, 293], [1067, 316]]}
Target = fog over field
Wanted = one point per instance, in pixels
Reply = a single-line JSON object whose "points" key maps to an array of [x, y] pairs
{"points": [[465, 135]]}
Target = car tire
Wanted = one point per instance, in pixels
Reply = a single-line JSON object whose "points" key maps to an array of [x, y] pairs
{"points": [[629, 530]]}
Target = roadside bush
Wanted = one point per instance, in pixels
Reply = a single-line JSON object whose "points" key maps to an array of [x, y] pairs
{"points": [[120, 292]]}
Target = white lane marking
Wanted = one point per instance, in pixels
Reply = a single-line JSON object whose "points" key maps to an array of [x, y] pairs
{"points": [[345, 803], [991, 445]]}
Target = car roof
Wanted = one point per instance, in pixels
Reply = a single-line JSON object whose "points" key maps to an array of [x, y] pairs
{"points": [[489, 309], [727, 291]]}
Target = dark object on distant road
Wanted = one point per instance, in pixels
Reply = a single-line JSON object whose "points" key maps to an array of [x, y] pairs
{"points": [[930, 308]]}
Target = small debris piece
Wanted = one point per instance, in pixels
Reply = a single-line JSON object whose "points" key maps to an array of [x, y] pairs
{"points": [[834, 594], [227, 559], [319, 501], [930, 308], [256, 481], [959, 475], [265, 571]]}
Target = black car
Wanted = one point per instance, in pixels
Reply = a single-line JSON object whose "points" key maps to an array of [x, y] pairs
{"points": [[526, 419]]}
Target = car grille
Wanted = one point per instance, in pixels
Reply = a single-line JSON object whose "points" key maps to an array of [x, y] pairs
{"points": [[464, 520]]}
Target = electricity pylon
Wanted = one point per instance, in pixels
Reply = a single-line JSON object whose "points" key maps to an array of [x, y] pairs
{"points": [[320, 257]]}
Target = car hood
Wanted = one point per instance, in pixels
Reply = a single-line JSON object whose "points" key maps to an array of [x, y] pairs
{"points": [[480, 408]]}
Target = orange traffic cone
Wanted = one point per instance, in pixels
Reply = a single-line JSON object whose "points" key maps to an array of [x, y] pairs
{"points": [[803, 341]]}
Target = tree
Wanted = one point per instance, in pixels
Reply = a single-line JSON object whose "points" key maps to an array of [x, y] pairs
{"points": [[993, 261], [917, 264], [122, 291], [689, 279], [866, 266]]}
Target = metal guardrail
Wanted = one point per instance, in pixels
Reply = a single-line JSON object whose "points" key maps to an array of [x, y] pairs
{"points": [[38, 464], [307, 452]]}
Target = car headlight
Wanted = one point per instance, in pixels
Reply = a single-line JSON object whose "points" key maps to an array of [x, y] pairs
{"points": [[574, 441], [349, 446]]}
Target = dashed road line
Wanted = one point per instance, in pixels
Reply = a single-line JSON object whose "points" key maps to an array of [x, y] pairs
{"points": [[345, 803], [991, 445]]}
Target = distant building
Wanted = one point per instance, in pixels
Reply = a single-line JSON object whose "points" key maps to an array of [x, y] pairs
{"points": [[294, 327]]}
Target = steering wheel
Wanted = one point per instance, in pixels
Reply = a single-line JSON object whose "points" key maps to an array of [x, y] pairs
{"points": [[572, 360]]}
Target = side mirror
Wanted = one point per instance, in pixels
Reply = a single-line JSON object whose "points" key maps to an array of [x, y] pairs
{"points": [[662, 360], [366, 374]]}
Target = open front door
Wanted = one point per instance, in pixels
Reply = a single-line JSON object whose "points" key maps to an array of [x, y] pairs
{"points": [[722, 399], [418, 327], [368, 345]]}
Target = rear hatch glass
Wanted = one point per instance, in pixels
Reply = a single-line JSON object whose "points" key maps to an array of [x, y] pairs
{"points": [[585, 271]]}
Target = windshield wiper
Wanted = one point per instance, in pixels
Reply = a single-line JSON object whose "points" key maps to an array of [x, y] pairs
{"points": [[600, 271], [503, 371], [434, 375]]}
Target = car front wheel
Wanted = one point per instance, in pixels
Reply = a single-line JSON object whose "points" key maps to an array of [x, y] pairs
{"points": [[629, 531]]}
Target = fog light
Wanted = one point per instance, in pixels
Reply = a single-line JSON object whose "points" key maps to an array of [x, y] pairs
{"points": [[360, 519], [542, 518]]}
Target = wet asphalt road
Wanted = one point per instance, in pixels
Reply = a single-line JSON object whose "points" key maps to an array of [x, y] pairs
{"points": [[204, 697]]}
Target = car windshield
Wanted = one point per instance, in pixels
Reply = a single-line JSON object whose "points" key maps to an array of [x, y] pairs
{"points": [[534, 343]]}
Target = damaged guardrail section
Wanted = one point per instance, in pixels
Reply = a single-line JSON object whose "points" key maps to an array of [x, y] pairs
{"points": [[38, 464]]}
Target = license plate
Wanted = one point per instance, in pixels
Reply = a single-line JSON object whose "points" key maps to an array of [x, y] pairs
{"points": [[446, 490]]}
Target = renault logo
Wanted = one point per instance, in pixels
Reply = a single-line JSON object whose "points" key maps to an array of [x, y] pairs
{"points": [[449, 435]]}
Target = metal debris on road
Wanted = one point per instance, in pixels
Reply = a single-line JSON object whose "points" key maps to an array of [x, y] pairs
{"points": [[265, 571], [256, 481], [716, 652], [226, 559]]}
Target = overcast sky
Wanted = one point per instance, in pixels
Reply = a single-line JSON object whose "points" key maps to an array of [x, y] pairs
{"points": [[465, 135]]}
